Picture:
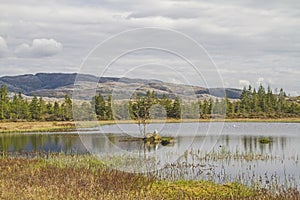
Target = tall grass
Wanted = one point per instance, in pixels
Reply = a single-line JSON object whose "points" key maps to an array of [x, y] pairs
{"points": [[60, 176]]}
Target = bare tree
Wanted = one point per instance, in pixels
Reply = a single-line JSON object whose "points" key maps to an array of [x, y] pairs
{"points": [[140, 110]]}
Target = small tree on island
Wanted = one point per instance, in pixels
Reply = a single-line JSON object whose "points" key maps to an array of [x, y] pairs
{"points": [[139, 108]]}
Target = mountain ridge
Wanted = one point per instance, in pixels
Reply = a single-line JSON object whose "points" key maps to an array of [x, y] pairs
{"points": [[59, 84]]}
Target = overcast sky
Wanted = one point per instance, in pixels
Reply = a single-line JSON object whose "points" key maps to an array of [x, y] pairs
{"points": [[250, 41]]}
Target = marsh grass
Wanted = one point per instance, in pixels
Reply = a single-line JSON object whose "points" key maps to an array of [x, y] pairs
{"points": [[61, 176], [197, 165], [15, 127]]}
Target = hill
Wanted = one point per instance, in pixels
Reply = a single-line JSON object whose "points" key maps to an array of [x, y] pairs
{"points": [[57, 85]]}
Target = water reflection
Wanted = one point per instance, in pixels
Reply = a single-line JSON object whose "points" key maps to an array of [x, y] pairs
{"points": [[41, 142], [244, 138], [245, 141]]}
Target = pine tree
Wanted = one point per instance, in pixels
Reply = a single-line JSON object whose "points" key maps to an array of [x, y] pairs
{"points": [[222, 107], [245, 104], [109, 108], [201, 111], [166, 103], [34, 108], [211, 105], [4, 103], [100, 108], [270, 101], [25, 113], [216, 107], [176, 109], [255, 103], [49, 108], [67, 108], [42, 108], [206, 107], [237, 108], [281, 101], [16, 107], [56, 111], [261, 98], [229, 107]]}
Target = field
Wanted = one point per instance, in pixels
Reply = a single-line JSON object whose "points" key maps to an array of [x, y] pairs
{"points": [[59, 176], [12, 127]]}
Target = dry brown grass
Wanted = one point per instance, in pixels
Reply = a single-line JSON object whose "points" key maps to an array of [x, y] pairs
{"points": [[35, 126], [29, 179], [84, 177]]}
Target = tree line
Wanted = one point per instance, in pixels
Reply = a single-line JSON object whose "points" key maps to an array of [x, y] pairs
{"points": [[20, 109], [253, 103], [260, 103]]}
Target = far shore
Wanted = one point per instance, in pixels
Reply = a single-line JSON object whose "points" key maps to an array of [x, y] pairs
{"points": [[60, 126]]}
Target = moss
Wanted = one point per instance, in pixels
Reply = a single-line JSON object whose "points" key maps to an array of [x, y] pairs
{"points": [[201, 190], [264, 140]]}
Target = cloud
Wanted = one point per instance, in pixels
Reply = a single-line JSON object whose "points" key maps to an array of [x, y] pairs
{"points": [[260, 81], [3, 47], [39, 48], [244, 83], [246, 39]]}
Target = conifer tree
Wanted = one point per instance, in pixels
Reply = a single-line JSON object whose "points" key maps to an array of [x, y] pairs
{"points": [[56, 111], [167, 104], [15, 108], [261, 98], [109, 111], [176, 109], [4, 103], [67, 108], [25, 112], [100, 107], [34, 108], [42, 108]]}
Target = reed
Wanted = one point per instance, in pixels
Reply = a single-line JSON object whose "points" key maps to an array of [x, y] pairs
{"points": [[59, 176]]}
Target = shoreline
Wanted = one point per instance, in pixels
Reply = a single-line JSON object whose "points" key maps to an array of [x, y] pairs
{"points": [[65, 126]]}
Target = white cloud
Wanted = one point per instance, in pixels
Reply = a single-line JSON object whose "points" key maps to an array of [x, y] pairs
{"points": [[260, 81], [3, 47], [244, 83], [246, 39], [39, 48]]}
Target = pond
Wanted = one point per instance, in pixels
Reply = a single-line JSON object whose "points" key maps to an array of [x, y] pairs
{"points": [[214, 151]]}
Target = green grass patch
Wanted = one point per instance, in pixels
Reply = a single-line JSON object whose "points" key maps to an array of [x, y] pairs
{"points": [[201, 190]]}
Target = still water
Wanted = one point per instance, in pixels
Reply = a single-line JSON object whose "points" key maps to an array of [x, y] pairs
{"points": [[232, 151]]}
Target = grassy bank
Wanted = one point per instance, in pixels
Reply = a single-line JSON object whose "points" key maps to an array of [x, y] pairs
{"points": [[9, 127], [84, 177]]}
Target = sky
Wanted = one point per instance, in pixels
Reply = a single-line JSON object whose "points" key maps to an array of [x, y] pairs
{"points": [[240, 42]]}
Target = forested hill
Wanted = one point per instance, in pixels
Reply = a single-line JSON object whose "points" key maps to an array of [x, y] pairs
{"points": [[59, 84]]}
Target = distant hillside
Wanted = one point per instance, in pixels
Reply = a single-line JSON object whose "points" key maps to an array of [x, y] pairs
{"points": [[58, 84]]}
